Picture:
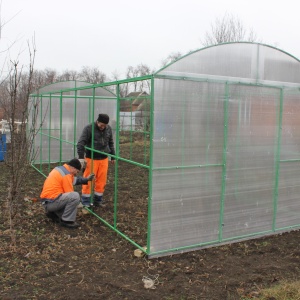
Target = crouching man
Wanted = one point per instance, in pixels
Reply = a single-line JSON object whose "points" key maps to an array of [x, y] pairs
{"points": [[58, 196]]}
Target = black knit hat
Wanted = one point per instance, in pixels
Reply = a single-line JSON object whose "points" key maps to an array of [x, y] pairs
{"points": [[103, 118], [75, 163]]}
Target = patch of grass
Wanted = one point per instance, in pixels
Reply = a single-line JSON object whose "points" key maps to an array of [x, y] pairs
{"points": [[283, 291]]}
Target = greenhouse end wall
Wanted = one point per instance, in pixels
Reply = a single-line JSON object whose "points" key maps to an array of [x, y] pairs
{"points": [[225, 149]]}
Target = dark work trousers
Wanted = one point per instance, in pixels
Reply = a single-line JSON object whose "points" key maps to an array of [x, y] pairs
{"points": [[65, 206]]}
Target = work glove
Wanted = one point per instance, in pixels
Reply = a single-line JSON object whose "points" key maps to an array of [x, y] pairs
{"points": [[91, 177], [83, 163]]}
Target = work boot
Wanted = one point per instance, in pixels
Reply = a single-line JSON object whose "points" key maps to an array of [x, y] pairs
{"points": [[86, 201], [53, 216], [98, 201], [68, 224]]}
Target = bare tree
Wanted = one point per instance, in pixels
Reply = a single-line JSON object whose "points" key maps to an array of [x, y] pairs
{"points": [[144, 70], [123, 88], [138, 71], [132, 73], [43, 77], [92, 75], [38, 79], [68, 75], [171, 57], [50, 76], [228, 29], [15, 99]]}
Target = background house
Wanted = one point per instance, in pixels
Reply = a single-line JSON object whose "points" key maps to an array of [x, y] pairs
{"points": [[134, 111]]}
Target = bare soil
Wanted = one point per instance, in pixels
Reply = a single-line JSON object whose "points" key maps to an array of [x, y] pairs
{"points": [[94, 262]]}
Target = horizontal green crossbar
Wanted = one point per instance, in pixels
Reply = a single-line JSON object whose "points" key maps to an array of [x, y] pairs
{"points": [[187, 167]]}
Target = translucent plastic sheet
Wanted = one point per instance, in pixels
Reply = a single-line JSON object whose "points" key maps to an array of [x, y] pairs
{"points": [[256, 62], [217, 170], [251, 152], [188, 133], [65, 114], [288, 209], [225, 155]]}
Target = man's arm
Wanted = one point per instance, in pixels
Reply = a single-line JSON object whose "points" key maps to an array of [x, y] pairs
{"points": [[84, 180]]}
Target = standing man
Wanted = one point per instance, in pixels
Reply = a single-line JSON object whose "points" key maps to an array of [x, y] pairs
{"points": [[58, 196], [103, 141]]}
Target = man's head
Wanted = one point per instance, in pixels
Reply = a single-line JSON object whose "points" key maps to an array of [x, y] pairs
{"points": [[102, 121], [75, 165]]}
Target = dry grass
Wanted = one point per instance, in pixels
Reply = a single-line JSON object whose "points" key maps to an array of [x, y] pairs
{"points": [[283, 291]]}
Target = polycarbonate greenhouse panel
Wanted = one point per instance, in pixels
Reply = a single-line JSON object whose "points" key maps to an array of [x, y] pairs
{"points": [[252, 137], [185, 207], [290, 134], [227, 181], [245, 62], [226, 60], [288, 209], [184, 134], [58, 86], [275, 65], [64, 114], [187, 161]]}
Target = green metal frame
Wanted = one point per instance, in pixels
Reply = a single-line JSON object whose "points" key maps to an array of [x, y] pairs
{"points": [[149, 149], [49, 96]]}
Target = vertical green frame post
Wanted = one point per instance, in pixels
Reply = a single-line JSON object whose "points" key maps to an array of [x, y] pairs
{"points": [[41, 132], [130, 132], [93, 142], [75, 123], [117, 156], [277, 161], [150, 166], [60, 126], [49, 132], [224, 161]]}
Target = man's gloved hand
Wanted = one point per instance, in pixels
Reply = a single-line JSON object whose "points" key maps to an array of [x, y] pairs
{"points": [[91, 177], [83, 163]]}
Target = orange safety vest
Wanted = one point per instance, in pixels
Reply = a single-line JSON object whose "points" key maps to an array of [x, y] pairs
{"points": [[59, 181]]}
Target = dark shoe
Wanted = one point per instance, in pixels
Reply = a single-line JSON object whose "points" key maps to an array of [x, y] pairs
{"points": [[53, 216], [99, 203], [69, 224], [86, 201]]}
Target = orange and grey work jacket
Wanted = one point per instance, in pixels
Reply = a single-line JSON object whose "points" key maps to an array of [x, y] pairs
{"points": [[59, 181]]}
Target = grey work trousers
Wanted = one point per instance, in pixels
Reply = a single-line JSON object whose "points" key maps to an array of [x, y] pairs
{"points": [[65, 206]]}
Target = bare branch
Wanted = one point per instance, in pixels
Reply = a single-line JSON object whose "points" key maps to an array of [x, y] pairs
{"points": [[228, 29], [15, 100], [171, 57]]}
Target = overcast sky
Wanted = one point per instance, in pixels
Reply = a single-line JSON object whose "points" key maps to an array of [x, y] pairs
{"points": [[114, 34]]}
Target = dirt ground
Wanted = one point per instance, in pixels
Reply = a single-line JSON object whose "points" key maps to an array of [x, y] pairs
{"points": [[93, 262]]}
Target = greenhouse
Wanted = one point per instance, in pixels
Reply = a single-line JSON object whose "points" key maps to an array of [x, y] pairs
{"points": [[216, 149]]}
